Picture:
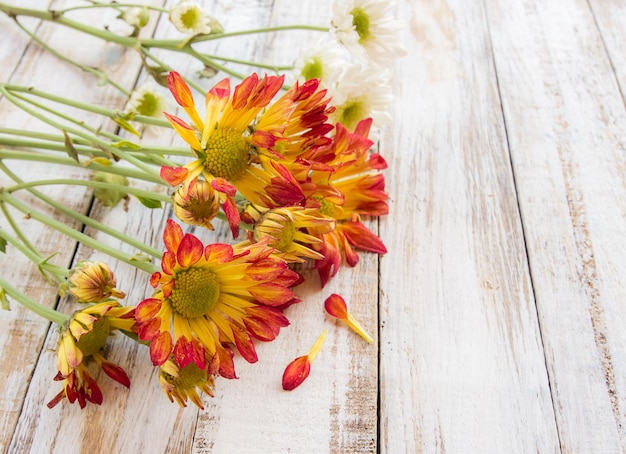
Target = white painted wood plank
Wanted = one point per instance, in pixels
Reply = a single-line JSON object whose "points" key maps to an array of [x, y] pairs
{"points": [[566, 125], [24, 333], [610, 16], [462, 366]]}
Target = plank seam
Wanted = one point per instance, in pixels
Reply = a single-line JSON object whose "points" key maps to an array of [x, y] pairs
{"points": [[522, 226]]}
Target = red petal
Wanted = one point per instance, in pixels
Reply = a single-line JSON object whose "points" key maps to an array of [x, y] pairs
{"points": [[266, 270], [271, 294], [244, 344], [232, 214], [222, 185], [296, 372], [226, 365], [362, 238], [116, 373], [243, 90], [91, 391], [172, 235], [58, 398], [181, 352], [149, 330], [259, 329], [168, 262], [218, 253], [155, 279], [335, 305], [160, 348], [147, 309], [174, 175], [180, 90], [221, 89], [190, 251]]}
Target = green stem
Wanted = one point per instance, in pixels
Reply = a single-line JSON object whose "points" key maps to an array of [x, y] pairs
{"points": [[208, 61], [74, 234], [101, 75], [58, 272], [32, 305], [133, 42], [249, 63], [81, 217], [42, 157], [93, 184], [165, 67], [111, 113], [109, 5], [106, 146], [254, 31]]}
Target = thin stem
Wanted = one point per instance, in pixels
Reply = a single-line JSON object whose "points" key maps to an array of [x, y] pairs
{"points": [[249, 63], [109, 5], [92, 184], [253, 31], [25, 241], [58, 272], [110, 113], [81, 217], [74, 234], [101, 75], [32, 305], [167, 67], [208, 61], [42, 157], [114, 151]]}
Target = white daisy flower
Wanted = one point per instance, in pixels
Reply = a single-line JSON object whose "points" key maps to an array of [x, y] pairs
{"points": [[189, 17], [147, 101], [362, 93], [366, 30], [136, 16], [323, 61]]}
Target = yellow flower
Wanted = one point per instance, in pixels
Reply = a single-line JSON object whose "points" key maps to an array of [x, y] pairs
{"points": [[285, 229], [242, 134], [208, 298], [198, 206], [82, 338], [181, 383], [93, 282]]}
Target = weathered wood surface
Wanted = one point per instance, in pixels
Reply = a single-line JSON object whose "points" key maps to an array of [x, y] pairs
{"points": [[501, 300]]}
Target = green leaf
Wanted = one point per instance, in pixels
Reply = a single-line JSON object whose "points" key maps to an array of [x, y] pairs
{"points": [[69, 146], [4, 301], [150, 203], [126, 144], [125, 125]]}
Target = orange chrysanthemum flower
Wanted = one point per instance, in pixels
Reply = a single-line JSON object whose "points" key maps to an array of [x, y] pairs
{"points": [[181, 383], [347, 186], [210, 297], [83, 338], [92, 282], [234, 144], [285, 229]]}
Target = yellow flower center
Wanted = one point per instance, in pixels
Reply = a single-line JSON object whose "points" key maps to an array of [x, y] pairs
{"points": [[91, 342], [283, 234], [190, 18], [313, 70], [148, 105], [361, 22], [195, 292], [327, 207], [352, 112], [227, 154], [188, 377]]}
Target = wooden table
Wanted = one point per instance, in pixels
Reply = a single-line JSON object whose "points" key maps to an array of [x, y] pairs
{"points": [[499, 311]]}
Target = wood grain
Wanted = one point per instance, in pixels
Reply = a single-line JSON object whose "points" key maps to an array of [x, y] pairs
{"points": [[498, 312], [566, 126], [462, 366]]}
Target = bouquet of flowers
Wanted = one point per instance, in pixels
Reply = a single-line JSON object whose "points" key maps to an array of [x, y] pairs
{"points": [[285, 160]]}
